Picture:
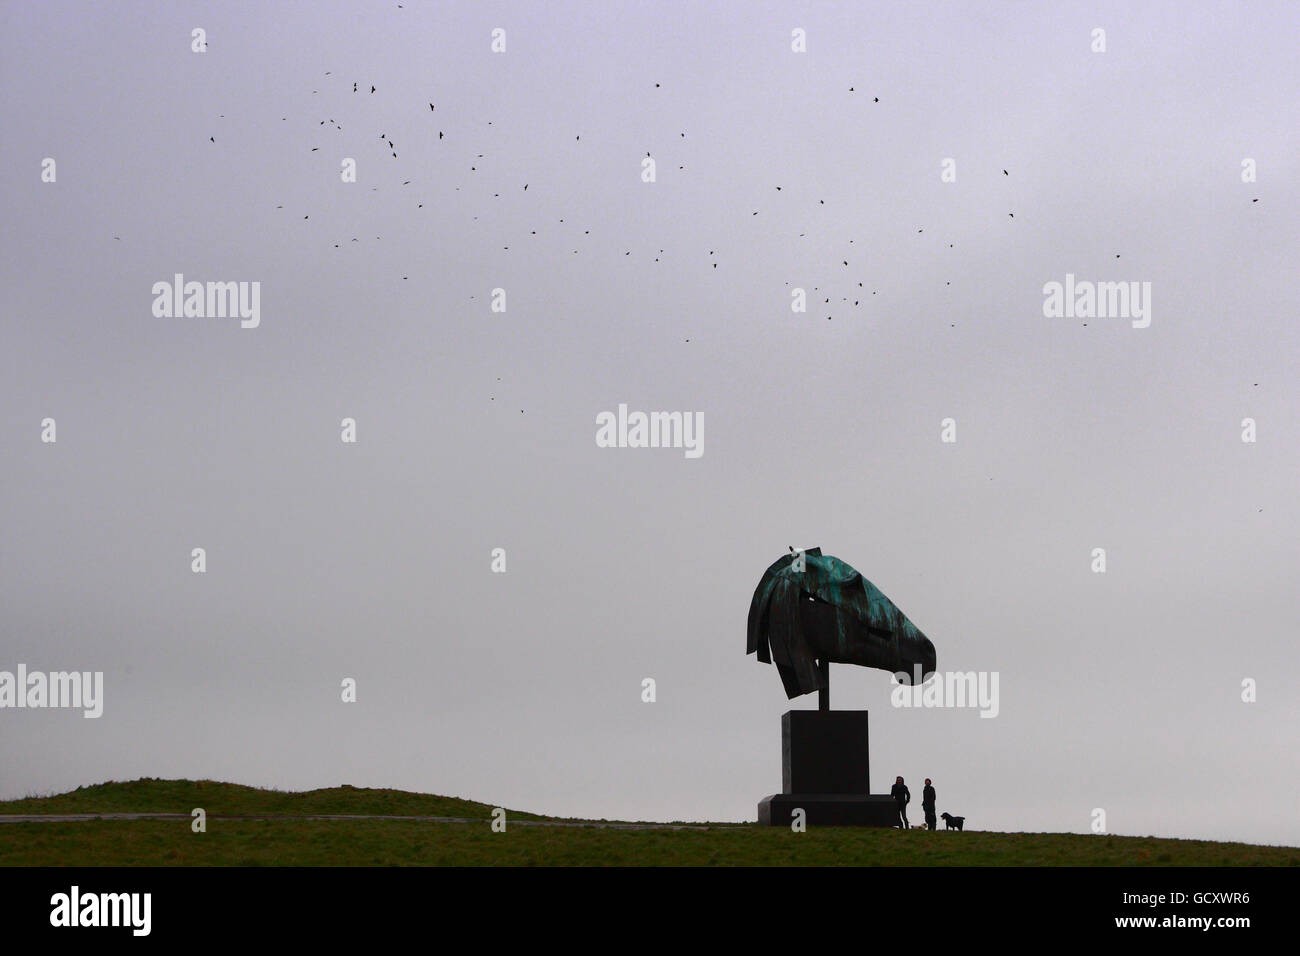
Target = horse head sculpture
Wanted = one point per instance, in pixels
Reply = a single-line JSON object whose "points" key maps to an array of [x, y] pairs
{"points": [[811, 607]]}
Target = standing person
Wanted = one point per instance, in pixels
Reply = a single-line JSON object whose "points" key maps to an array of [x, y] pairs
{"points": [[902, 797], [927, 804]]}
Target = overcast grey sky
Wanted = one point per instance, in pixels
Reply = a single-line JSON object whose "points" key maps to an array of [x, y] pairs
{"points": [[476, 429]]}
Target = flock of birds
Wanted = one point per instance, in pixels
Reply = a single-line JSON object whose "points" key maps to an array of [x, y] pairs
{"points": [[359, 88], [856, 294]]}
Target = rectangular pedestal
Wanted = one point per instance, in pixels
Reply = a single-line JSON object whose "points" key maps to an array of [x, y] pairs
{"points": [[825, 771], [824, 751], [829, 809]]}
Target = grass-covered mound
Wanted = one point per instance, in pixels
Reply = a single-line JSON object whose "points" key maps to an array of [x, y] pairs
{"points": [[289, 842]]}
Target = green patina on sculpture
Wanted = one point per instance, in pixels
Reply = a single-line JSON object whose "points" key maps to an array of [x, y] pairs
{"points": [[811, 609]]}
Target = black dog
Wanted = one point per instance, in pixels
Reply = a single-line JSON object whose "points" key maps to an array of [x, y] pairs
{"points": [[952, 823]]}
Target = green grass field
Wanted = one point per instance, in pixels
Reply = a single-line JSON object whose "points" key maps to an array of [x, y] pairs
{"points": [[218, 799], [406, 843]]}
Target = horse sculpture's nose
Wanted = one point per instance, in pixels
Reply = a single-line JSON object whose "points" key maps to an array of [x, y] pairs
{"points": [[921, 656]]}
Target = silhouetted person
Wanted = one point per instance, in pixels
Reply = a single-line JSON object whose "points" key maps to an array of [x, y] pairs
{"points": [[927, 804], [902, 797]]}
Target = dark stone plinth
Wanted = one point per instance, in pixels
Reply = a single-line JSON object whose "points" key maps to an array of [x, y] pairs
{"points": [[829, 809], [824, 751], [825, 771]]}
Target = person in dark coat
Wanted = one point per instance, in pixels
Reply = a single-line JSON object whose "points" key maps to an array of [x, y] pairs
{"points": [[927, 804], [902, 797]]}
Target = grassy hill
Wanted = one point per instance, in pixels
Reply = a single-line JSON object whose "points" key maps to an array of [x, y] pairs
{"points": [[150, 795], [287, 842]]}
